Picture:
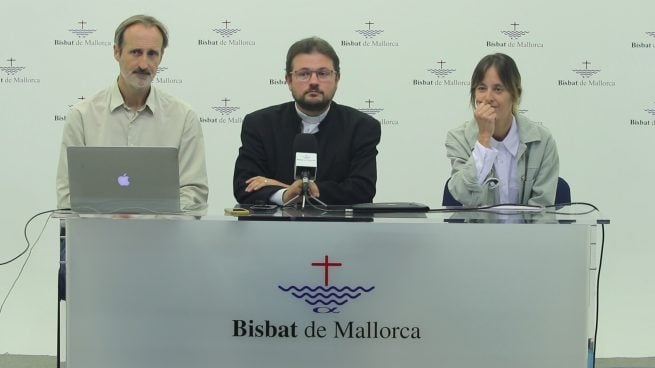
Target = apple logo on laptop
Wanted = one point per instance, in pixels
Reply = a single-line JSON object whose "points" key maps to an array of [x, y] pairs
{"points": [[124, 180]]}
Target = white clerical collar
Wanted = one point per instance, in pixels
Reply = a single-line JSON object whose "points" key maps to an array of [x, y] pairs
{"points": [[310, 123]]}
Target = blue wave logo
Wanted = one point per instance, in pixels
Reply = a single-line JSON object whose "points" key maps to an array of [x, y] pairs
{"points": [[324, 298]]}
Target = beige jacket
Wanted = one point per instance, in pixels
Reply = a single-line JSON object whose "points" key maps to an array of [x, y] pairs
{"points": [[538, 166]]}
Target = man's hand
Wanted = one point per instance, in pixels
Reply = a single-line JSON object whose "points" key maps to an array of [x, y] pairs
{"points": [[295, 190], [257, 182]]}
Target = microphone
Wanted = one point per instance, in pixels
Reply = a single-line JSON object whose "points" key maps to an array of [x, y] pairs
{"points": [[306, 163]]}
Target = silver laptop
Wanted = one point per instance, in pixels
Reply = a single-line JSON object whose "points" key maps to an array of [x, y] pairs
{"points": [[124, 179]]}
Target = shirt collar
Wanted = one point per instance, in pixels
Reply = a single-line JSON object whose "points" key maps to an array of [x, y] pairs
{"points": [[311, 123], [511, 141], [312, 119], [116, 99]]}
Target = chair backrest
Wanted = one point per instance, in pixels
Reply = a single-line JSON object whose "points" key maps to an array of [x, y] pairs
{"points": [[448, 199], [562, 194]]}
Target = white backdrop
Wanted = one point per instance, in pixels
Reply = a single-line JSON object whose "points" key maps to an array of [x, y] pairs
{"points": [[586, 70]]}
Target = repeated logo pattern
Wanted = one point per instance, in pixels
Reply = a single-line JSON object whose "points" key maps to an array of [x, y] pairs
{"points": [[586, 72], [226, 32], [369, 110], [11, 69], [514, 34], [650, 111], [82, 32], [225, 109], [441, 72], [369, 33]]}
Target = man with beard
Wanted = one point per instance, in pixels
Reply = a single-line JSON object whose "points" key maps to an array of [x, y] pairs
{"points": [[131, 112], [347, 139]]}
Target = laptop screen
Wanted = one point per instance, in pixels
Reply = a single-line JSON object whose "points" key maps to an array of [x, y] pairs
{"points": [[124, 179]]}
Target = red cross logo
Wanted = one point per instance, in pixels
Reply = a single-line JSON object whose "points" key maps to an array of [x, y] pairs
{"points": [[326, 265]]}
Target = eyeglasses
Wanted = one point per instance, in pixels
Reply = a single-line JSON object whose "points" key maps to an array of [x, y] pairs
{"points": [[322, 74]]}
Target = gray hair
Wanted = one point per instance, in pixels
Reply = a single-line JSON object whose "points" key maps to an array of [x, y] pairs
{"points": [[146, 20]]}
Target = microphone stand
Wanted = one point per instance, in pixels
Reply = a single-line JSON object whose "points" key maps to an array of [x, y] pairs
{"points": [[305, 193], [305, 190]]}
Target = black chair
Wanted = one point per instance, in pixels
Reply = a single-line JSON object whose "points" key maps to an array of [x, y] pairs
{"points": [[562, 194], [448, 200]]}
